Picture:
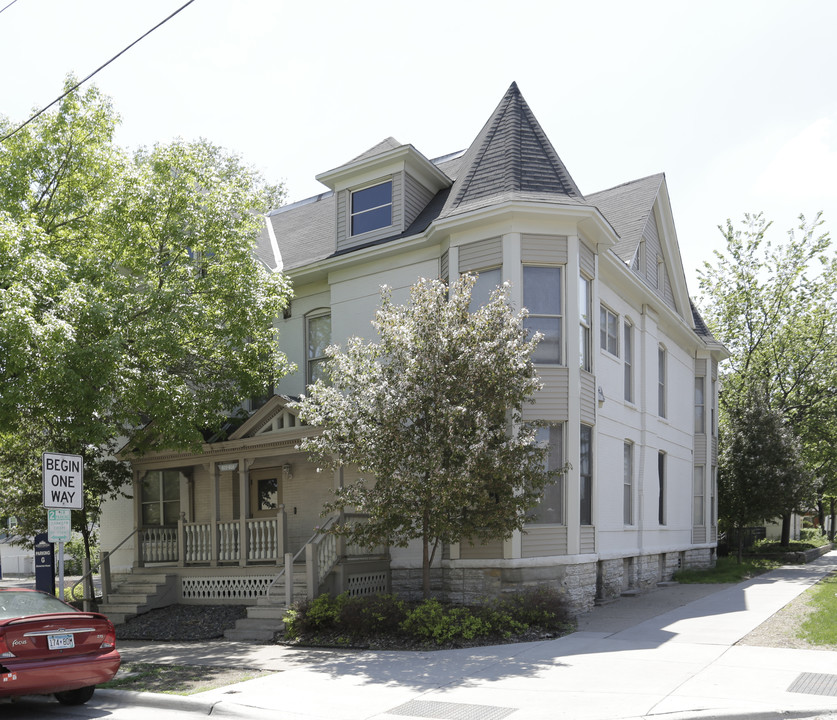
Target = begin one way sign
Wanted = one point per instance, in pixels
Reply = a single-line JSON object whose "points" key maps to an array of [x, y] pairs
{"points": [[63, 481]]}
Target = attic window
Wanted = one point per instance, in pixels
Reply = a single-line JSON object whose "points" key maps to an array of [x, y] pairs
{"points": [[372, 208]]}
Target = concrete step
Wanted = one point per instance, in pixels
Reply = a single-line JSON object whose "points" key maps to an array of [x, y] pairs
{"points": [[266, 612], [254, 635]]}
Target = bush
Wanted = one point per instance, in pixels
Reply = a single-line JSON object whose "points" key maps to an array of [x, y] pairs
{"points": [[334, 620]]}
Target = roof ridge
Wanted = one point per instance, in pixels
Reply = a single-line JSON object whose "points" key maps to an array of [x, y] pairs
{"points": [[660, 175]]}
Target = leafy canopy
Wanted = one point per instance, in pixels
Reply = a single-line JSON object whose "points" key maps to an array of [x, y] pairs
{"points": [[430, 415], [129, 292]]}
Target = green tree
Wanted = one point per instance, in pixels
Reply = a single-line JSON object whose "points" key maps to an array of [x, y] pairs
{"points": [[773, 305], [431, 416], [759, 461], [132, 306]]}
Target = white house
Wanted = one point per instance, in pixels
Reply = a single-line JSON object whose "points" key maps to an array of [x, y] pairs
{"points": [[629, 372]]}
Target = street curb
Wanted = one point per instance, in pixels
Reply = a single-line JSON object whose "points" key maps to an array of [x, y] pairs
{"points": [[739, 715], [117, 699]]}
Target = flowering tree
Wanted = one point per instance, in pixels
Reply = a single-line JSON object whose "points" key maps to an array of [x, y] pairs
{"points": [[431, 416]]}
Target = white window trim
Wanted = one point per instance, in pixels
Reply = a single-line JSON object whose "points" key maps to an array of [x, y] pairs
{"points": [[313, 315], [603, 329], [390, 204]]}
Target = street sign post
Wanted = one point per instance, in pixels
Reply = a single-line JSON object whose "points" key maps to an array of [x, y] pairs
{"points": [[63, 491]]}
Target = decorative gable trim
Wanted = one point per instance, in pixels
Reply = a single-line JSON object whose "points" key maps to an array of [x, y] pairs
{"points": [[273, 417]]}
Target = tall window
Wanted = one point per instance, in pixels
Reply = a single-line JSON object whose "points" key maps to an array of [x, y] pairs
{"points": [[609, 331], [542, 295], [628, 484], [486, 283], [661, 381], [661, 477], [585, 317], [700, 406], [317, 339], [713, 426], [586, 480], [698, 513], [372, 208], [713, 486], [550, 509], [160, 497], [629, 362]]}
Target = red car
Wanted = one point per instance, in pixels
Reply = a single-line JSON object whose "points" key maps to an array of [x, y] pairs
{"points": [[47, 647]]}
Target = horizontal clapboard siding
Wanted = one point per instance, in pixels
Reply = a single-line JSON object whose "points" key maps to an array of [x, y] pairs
{"points": [[444, 266], [588, 398], [492, 550], [416, 198], [546, 541], [551, 401], [544, 249], [698, 534], [481, 255], [586, 260], [587, 538]]}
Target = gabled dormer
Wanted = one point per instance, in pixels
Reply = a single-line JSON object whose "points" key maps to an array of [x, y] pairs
{"points": [[381, 192]]}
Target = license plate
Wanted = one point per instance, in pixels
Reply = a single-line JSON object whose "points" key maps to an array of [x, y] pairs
{"points": [[60, 642]]}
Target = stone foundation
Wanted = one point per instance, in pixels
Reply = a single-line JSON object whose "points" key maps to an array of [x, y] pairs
{"points": [[581, 583]]}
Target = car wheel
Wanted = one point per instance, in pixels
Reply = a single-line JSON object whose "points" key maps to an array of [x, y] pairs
{"points": [[75, 697]]}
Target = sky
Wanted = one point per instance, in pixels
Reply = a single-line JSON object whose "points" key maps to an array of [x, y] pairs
{"points": [[735, 100]]}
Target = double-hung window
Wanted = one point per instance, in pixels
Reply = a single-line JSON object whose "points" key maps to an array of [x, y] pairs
{"points": [[629, 361], [486, 283], [628, 484], [550, 509], [317, 339], [372, 208], [661, 381], [160, 498], [609, 331], [700, 406], [698, 512], [585, 317], [542, 293], [586, 476]]}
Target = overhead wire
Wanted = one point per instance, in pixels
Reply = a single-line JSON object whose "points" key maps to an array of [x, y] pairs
{"points": [[101, 67], [8, 6]]}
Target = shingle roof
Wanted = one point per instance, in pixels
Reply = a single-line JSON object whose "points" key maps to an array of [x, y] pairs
{"points": [[305, 231], [511, 159], [627, 207]]}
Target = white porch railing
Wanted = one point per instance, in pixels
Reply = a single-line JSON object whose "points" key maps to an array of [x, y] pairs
{"points": [[206, 543]]}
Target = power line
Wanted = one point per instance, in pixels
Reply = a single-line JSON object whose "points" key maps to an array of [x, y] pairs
{"points": [[8, 6], [101, 67]]}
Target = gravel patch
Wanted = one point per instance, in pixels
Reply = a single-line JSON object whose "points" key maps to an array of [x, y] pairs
{"points": [[780, 630], [182, 623]]}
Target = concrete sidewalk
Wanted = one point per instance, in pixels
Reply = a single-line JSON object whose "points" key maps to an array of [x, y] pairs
{"points": [[669, 652]]}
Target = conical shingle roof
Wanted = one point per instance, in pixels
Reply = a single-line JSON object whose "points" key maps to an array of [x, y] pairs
{"points": [[511, 159]]}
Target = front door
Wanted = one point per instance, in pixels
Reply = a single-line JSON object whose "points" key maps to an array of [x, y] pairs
{"points": [[265, 492]]}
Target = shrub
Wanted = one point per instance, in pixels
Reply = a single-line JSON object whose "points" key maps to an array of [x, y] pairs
{"points": [[430, 621]]}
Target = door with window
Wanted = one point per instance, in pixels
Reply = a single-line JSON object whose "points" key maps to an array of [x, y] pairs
{"points": [[265, 492]]}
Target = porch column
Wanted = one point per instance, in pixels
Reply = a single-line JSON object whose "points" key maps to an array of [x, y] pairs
{"points": [[214, 503], [244, 510], [138, 562]]}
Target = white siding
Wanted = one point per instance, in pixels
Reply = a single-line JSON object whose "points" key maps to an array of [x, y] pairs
{"points": [[544, 249], [481, 255]]}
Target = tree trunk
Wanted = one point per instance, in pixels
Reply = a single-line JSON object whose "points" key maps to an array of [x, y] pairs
{"points": [[425, 555], [740, 552], [786, 522], [821, 514], [831, 528]]}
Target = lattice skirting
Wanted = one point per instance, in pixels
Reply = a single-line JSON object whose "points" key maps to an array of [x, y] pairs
{"points": [[230, 588], [367, 584]]}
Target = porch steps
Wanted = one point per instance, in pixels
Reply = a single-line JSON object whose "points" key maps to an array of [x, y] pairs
{"points": [[264, 619], [138, 595]]}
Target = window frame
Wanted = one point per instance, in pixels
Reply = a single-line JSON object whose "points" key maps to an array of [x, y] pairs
{"points": [[312, 361], [559, 316], [661, 478], [628, 344], [628, 483], [558, 486], [585, 479], [699, 497], [608, 342], [480, 274], [700, 405], [164, 477], [585, 331], [662, 378], [368, 210]]}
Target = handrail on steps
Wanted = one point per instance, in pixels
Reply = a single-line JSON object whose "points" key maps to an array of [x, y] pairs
{"points": [[317, 532], [104, 560]]}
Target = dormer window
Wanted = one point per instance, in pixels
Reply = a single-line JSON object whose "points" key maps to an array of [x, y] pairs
{"points": [[372, 208]]}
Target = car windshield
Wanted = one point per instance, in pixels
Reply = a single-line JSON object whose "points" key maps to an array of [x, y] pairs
{"points": [[18, 603]]}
